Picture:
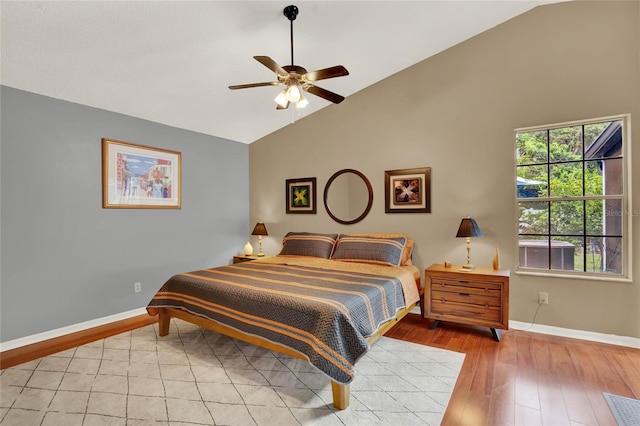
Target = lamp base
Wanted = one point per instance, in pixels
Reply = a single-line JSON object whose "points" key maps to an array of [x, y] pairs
{"points": [[467, 267], [260, 253]]}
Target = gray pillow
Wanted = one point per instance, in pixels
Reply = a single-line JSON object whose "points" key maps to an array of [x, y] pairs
{"points": [[382, 251], [308, 244]]}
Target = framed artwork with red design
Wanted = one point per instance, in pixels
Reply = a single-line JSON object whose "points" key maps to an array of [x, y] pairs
{"points": [[408, 190]]}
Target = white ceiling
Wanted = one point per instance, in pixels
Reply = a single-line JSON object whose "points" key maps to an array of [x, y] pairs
{"points": [[172, 61]]}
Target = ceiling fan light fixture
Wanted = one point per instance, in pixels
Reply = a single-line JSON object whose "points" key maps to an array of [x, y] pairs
{"points": [[303, 102], [293, 93], [281, 99]]}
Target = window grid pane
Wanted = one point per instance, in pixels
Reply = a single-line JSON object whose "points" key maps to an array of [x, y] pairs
{"points": [[566, 180], [532, 147], [565, 144]]}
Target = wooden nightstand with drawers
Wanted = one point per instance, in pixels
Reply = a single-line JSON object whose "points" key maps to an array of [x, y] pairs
{"points": [[477, 297]]}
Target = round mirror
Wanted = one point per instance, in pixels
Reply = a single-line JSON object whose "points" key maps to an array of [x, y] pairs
{"points": [[348, 196]]}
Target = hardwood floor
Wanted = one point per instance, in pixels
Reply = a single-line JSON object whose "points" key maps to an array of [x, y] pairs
{"points": [[47, 347], [528, 378]]}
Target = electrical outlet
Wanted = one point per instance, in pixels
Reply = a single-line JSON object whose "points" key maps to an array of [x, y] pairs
{"points": [[543, 298], [137, 287]]}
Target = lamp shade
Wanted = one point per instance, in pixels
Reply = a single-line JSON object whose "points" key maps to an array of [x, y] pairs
{"points": [[260, 229], [469, 228]]}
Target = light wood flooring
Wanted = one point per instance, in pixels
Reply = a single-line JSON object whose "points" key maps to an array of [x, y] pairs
{"points": [[528, 378]]}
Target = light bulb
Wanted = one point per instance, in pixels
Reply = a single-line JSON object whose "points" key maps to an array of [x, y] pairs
{"points": [[293, 93], [281, 99], [303, 102]]}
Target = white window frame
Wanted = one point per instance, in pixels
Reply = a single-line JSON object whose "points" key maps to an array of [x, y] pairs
{"points": [[626, 275]]}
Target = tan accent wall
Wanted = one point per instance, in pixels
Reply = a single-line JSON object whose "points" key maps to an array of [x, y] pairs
{"points": [[456, 112]]}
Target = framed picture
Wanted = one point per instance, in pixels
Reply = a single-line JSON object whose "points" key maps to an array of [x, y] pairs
{"points": [[408, 190], [301, 195], [139, 177]]}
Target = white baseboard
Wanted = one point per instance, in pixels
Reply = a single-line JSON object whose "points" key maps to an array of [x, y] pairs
{"points": [[592, 336], [40, 337]]}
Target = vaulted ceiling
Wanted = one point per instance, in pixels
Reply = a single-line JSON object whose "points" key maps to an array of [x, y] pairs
{"points": [[172, 62]]}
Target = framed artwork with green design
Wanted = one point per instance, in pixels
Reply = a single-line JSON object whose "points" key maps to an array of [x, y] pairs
{"points": [[301, 195]]}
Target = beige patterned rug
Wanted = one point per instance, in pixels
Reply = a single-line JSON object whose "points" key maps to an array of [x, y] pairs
{"points": [[198, 377]]}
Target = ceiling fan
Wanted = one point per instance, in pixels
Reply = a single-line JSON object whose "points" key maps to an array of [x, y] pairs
{"points": [[295, 78]]}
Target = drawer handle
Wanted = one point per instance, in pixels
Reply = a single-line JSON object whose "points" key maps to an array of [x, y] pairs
{"points": [[464, 294]]}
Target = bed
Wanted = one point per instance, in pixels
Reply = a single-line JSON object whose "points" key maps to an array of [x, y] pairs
{"points": [[325, 299]]}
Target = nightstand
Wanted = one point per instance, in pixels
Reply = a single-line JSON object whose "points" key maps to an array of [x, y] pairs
{"points": [[246, 258], [477, 297]]}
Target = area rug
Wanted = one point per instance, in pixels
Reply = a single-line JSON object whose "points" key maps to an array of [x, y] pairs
{"points": [[197, 377], [625, 410]]}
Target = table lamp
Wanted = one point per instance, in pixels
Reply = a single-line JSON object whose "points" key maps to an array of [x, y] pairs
{"points": [[260, 230], [468, 228]]}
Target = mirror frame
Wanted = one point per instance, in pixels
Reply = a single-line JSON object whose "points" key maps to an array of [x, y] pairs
{"points": [[326, 196]]}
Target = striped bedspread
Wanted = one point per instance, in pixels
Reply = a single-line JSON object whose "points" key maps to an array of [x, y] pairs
{"points": [[322, 313]]}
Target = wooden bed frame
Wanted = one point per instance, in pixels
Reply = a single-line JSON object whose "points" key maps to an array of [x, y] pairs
{"points": [[340, 391]]}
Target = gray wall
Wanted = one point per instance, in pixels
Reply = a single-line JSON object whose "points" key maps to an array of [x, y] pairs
{"points": [[456, 113], [65, 259]]}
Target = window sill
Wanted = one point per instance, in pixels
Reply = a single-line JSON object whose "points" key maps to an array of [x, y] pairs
{"points": [[573, 276]]}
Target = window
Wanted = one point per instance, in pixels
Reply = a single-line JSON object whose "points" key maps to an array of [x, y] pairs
{"points": [[573, 206]]}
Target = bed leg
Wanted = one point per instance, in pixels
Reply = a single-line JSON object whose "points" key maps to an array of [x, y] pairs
{"points": [[163, 322], [340, 395]]}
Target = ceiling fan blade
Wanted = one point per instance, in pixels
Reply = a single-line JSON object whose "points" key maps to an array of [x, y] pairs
{"points": [[323, 93], [271, 64], [337, 71], [246, 86]]}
